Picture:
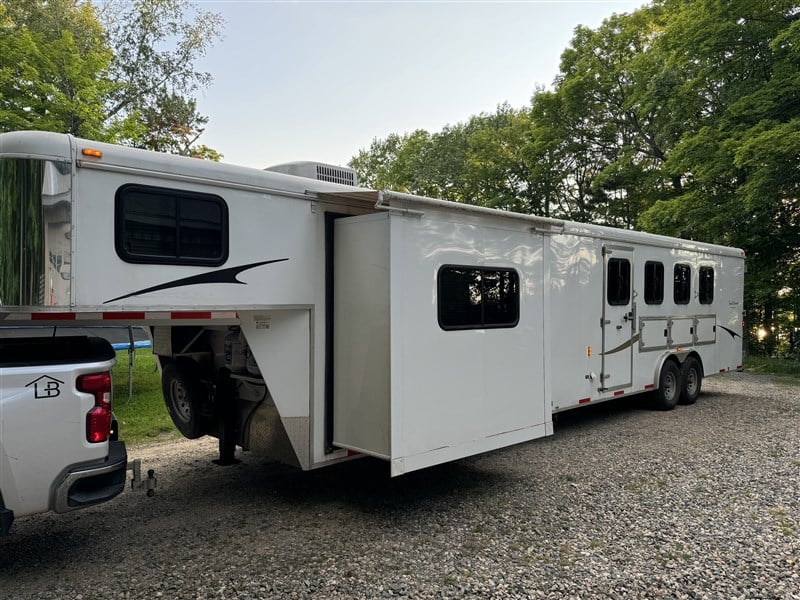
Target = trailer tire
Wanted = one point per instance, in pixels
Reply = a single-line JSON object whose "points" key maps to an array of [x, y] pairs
{"points": [[669, 387], [691, 380], [184, 395]]}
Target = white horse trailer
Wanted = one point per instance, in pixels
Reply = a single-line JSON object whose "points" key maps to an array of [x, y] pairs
{"points": [[297, 315]]}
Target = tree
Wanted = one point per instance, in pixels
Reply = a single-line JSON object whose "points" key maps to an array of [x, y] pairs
{"points": [[156, 45], [481, 161], [122, 73], [741, 66], [173, 125], [53, 67]]}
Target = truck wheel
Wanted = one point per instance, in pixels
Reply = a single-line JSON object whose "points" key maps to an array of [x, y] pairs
{"points": [[691, 380], [184, 395], [669, 387]]}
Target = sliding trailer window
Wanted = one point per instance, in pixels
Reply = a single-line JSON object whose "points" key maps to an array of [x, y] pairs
{"points": [[653, 282], [477, 297], [682, 290], [170, 227], [706, 288]]}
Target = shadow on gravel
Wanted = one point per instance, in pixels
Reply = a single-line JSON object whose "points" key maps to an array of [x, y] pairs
{"points": [[53, 544], [611, 410], [253, 499], [364, 485]]}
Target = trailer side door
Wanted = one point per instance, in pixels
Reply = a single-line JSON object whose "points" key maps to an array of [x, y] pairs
{"points": [[618, 318]]}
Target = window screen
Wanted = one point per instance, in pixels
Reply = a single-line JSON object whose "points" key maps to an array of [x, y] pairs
{"points": [[683, 286], [165, 226], [653, 282], [706, 289], [477, 297], [618, 285]]}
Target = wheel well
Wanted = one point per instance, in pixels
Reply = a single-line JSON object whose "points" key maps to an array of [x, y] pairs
{"points": [[678, 360], [696, 356], [660, 365]]}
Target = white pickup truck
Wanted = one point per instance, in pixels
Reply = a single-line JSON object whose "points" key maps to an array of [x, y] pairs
{"points": [[58, 446]]}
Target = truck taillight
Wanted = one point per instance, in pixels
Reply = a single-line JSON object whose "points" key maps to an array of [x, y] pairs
{"points": [[98, 420]]}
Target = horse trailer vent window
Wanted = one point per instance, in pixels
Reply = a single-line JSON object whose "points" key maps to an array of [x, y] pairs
{"points": [[683, 286], [618, 286], [706, 289], [477, 297], [653, 282], [170, 227]]}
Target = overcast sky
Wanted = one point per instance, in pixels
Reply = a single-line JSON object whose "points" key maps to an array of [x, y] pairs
{"points": [[319, 80]]}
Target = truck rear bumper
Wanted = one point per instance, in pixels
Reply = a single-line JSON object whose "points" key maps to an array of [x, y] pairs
{"points": [[91, 484]]}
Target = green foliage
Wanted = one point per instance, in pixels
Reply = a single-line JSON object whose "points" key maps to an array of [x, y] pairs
{"points": [[143, 417], [740, 63], [53, 60], [156, 45], [123, 72], [482, 161], [772, 366]]}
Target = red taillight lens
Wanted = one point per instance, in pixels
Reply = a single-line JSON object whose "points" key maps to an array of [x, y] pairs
{"points": [[98, 420]]}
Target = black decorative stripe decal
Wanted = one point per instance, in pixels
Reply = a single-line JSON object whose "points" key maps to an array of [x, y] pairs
{"points": [[624, 346], [219, 276], [734, 335]]}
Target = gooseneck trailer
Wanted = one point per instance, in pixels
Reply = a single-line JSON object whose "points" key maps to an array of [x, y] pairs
{"points": [[300, 316]]}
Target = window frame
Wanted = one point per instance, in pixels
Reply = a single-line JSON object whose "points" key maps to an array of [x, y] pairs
{"points": [[440, 295], [627, 298], [688, 284], [702, 289], [653, 299], [179, 196]]}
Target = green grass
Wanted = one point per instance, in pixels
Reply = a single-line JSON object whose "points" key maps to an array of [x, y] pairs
{"points": [[773, 366], [143, 418]]}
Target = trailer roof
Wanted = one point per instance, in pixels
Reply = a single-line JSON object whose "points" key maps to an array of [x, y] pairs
{"points": [[63, 147], [401, 202]]}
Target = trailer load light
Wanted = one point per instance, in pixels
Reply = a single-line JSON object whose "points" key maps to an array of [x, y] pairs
{"points": [[92, 152], [98, 419]]}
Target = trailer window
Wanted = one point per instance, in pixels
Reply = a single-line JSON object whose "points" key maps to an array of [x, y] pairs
{"points": [[653, 282], [683, 286], [706, 289], [477, 298], [175, 227], [618, 286]]}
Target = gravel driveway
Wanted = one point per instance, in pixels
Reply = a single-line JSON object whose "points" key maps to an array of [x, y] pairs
{"points": [[700, 502]]}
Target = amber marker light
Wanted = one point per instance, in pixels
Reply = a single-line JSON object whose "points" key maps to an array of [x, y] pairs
{"points": [[92, 152], [589, 351]]}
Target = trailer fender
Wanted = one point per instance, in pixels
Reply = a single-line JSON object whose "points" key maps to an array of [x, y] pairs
{"points": [[679, 356]]}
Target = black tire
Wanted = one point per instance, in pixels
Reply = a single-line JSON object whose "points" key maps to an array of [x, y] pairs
{"points": [[691, 380], [669, 387], [184, 395]]}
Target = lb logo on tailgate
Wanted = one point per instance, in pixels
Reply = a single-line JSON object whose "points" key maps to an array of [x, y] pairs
{"points": [[46, 387]]}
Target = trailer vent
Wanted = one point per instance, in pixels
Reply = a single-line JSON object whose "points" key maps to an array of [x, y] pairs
{"points": [[318, 171]]}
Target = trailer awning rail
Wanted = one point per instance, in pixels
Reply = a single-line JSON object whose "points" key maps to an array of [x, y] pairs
{"points": [[414, 205]]}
